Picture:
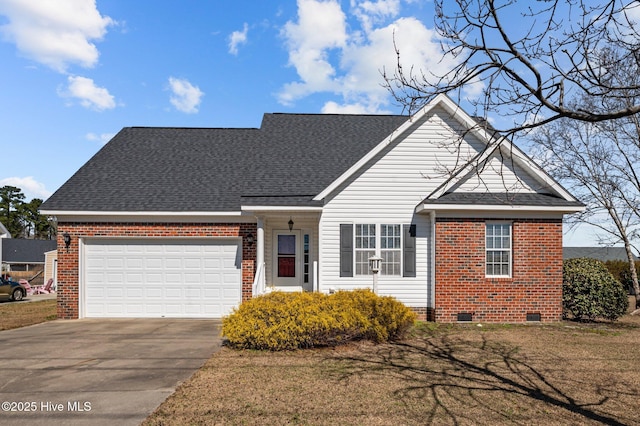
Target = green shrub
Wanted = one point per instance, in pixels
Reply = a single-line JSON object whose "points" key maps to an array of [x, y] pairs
{"points": [[621, 272], [284, 321], [589, 291]]}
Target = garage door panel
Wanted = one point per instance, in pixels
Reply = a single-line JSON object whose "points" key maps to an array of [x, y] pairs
{"points": [[212, 293], [153, 293], [153, 262], [135, 263], [135, 293], [192, 278], [155, 278], [133, 278], [172, 263], [114, 262]]}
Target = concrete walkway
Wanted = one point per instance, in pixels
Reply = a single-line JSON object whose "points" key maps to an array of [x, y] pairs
{"points": [[98, 372]]}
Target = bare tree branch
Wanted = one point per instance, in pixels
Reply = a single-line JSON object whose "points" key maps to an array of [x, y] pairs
{"points": [[566, 49]]}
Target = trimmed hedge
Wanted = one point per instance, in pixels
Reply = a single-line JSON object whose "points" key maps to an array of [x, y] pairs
{"points": [[589, 291], [285, 321]]}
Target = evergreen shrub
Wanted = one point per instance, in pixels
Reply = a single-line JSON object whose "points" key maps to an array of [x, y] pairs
{"points": [[285, 321], [589, 291]]}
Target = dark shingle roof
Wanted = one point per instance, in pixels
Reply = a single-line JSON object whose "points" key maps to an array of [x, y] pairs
{"points": [[186, 169], [515, 199], [15, 250], [600, 253]]}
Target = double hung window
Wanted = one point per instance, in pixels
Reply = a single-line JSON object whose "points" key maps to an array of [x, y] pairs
{"points": [[394, 243], [498, 249]]}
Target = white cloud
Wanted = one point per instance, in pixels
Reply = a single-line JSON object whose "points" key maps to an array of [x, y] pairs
{"points": [[237, 38], [185, 96], [90, 95], [370, 13], [353, 108], [321, 27], [101, 138], [350, 63], [55, 33], [30, 187]]}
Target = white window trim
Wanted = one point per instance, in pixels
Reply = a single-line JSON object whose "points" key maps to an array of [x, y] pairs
{"points": [[510, 250]]}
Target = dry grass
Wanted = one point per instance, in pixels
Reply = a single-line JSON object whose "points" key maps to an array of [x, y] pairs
{"points": [[557, 374], [21, 314]]}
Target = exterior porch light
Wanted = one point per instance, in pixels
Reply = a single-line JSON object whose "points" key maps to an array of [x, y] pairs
{"points": [[374, 266], [290, 224], [250, 239], [67, 240]]}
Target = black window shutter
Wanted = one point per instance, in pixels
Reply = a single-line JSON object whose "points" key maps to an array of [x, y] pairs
{"points": [[346, 250], [409, 250]]}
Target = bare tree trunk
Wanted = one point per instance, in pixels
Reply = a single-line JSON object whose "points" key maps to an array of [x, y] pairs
{"points": [[634, 276]]}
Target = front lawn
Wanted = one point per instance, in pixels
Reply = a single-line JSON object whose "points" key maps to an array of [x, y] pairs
{"points": [[21, 314], [559, 374]]}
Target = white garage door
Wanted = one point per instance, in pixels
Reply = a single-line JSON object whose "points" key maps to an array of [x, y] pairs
{"points": [[161, 278]]}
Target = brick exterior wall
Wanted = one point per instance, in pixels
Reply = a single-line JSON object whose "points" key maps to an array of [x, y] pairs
{"points": [[534, 287], [68, 282]]}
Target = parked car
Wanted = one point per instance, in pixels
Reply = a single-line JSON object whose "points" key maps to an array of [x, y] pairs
{"points": [[11, 290]]}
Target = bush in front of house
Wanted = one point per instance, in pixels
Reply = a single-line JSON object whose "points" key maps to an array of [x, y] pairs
{"points": [[589, 291], [286, 321]]}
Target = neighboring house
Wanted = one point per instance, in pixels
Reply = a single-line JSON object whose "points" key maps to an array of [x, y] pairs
{"points": [[4, 233], [51, 266], [24, 254], [600, 253], [183, 222]]}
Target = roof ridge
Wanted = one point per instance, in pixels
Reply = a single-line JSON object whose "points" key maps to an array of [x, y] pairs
{"points": [[336, 114], [190, 128]]}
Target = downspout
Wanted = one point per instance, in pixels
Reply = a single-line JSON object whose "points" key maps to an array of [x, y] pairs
{"points": [[432, 215], [260, 255]]}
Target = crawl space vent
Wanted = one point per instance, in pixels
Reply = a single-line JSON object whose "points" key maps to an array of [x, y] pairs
{"points": [[533, 317], [465, 317]]}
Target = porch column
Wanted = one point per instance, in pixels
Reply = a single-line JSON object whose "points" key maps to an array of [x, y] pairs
{"points": [[260, 241]]}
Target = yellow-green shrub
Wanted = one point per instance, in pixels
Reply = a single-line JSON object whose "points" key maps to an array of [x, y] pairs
{"points": [[283, 321]]}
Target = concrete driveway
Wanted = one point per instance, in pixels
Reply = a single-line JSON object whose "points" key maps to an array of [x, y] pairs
{"points": [[98, 372]]}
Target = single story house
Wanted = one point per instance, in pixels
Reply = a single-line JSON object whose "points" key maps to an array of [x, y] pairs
{"points": [[51, 266], [4, 232], [20, 254], [190, 222]]}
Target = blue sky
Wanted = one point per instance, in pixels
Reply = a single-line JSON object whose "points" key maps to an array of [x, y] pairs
{"points": [[74, 72]]}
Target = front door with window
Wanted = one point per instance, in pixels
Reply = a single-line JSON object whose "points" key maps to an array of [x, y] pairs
{"points": [[286, 258]]}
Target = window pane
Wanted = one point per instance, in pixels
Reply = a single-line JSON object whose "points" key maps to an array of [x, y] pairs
{"points": [[287, 244], [362, 261], [505, 270], [506, 243]]}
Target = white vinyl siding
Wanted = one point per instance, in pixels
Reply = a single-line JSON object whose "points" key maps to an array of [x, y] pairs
{"points": [[498, 175]]}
